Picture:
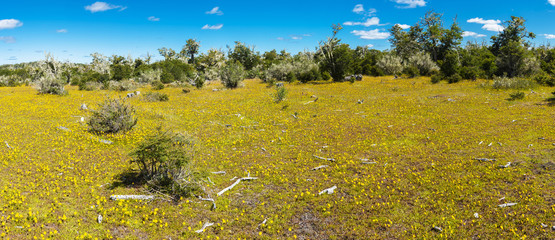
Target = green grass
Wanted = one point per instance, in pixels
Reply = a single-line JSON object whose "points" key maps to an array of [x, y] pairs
{"points": [[424, 139]]}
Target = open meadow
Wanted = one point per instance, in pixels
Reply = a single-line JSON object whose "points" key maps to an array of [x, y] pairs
{"points": [[407, 155]]}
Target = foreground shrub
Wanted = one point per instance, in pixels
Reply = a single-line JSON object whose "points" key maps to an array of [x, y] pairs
{"points": [[516, 96], [436, 78], [50, 85], [512, 83], [157, 85], [232, 74], [281, 92], [164, 160], [156, 97], [112, 116]]}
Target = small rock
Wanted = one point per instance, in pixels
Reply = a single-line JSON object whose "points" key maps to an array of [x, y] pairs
{"points": [[476, 215], [99, 218], [105, 141], [437, 229], [64, 129], [83, 107]]}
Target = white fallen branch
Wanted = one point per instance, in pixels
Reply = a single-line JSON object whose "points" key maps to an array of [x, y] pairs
{"points": [[507, 205], [262, 223], [328, 191], [206, 224], [485, 159], [319, 167], [323, 158], [235, 183], [506, 165], [7, 145], [210, 200], [369, 163], [219, 172], [131, 197]]}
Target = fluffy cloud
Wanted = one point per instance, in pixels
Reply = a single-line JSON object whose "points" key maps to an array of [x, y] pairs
{"points": [[61, 31], [410, 3], [552, 2], [472, 34], [8, 39], [372, 34], [294, 37], [403, 26], [102, 6], [10, 23], [370, 45], [216, 11], [153, 19], [369, 22], [359, 9], [490, 25], [550, 36], [212, 27]]}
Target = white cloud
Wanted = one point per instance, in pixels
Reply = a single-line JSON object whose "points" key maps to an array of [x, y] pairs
{"points": [[550, 36], [410, 3], [8, 39], [359, 8], [472, 34], [280, 38], [153, 19], [552, 2], [490, 25], [212, 27], [370, 45], [369, 22], [216, 11], [61, 31], [103, 6], [403, 26], [10, 23], [372, 34]]}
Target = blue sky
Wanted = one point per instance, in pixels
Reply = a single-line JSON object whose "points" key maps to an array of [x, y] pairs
{"points": [[73, 29]]}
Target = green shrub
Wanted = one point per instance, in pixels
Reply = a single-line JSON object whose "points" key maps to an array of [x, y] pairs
{"points": [[455, 78], [411, 71], [157, 85], [326, 75], [232, 74], [156, 97], [281, 92], [516, 96], [512, 83], [436, 78], [121, 86], [112, 116], [164, 159], [51, 85], [545, 79]]}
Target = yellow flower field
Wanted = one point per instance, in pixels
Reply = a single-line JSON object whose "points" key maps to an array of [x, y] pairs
{"points": [[406, 161]]}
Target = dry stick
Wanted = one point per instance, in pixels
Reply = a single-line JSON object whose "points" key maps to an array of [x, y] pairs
{"points": [[220, 172], [485, 159], [323, 158], [210, 200], [206, 224], [7, 145], [328, 191], [319, 167], [507, 205], [133, 197], [235, 183], [506, 165]]}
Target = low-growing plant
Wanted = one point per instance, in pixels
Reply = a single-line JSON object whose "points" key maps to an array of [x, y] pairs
{"points": [[436, 78], [232, 74], [112, 116], [156, 97], [50, 85], [121, 86], [516, 96], [164, 159], [281, 92], [157, 85], [512, 83]]}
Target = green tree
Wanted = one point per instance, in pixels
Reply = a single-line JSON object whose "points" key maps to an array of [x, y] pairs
{"points": [[432, 33], [511, 49], [245, 55], [190, 49], [404, 43], [168, 54], [335, 58]]}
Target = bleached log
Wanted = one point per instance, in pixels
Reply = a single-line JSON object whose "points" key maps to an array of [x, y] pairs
{"points": [[369, 163], [507, 205], [506, 165], [210, 200], [219, 172], [485, 159], [99, 218], [235, 183], [204, 226], [295, 116], [323, 158], [105, 141], [64, 129], [8, 145], [328, 191], [437, 229], [319, 167], [262, 223], [131, 197]]}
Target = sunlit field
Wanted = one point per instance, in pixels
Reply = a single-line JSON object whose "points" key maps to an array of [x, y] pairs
{"points": [[411, 160]]}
